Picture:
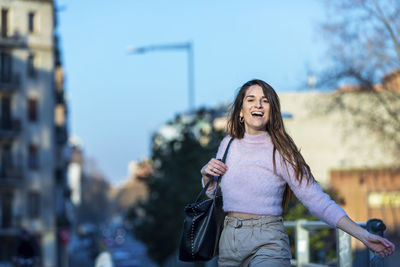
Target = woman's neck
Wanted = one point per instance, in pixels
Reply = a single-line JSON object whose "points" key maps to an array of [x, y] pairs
{"points": [[256, 138]]}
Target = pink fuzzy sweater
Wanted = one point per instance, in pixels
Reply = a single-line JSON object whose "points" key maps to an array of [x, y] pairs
{"points": [[251, 186]]}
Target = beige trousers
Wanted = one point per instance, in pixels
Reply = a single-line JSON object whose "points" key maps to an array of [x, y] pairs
{"points": [[254, 242]]}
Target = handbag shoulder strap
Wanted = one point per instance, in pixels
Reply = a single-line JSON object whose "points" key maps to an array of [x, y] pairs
{"points": [[226, 150], [219, 177]]}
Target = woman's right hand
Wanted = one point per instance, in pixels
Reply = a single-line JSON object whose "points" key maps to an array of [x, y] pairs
{"points": [[213, 168]]}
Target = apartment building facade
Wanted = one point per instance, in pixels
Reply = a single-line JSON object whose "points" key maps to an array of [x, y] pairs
{"points": [[33, 129]]}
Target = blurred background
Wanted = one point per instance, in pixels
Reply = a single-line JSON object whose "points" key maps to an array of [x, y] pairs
{"points": [[109, 109]]}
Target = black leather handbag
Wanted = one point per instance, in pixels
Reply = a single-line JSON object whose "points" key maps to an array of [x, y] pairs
{"points": [[203, 225]]}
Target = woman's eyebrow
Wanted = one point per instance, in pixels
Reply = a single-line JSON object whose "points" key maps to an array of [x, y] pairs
{"points": [[255, 96]]}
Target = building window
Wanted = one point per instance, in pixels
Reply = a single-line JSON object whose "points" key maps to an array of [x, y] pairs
{"points": [[6, 199], [32, 110], [32, 65], [33, 205], [6, 160], [4, 22], [5, 117], [31, 22], [33, 157], [5, 67]]}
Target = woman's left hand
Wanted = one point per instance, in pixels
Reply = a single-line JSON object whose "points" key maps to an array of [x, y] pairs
{"points": [[374, 242], [379, 244]]}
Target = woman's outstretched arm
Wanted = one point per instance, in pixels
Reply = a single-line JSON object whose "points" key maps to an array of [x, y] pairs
{"points": [[376, 243]]}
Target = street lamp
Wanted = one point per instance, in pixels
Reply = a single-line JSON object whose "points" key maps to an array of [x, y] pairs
{"points": [[188, 47]]}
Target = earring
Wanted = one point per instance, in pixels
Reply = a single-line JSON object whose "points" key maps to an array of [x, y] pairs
{"points": [[241, 119]]}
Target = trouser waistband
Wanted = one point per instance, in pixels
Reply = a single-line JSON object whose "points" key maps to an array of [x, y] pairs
{"points": [[237, 222]]}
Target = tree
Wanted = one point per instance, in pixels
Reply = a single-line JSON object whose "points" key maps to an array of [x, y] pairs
{"points": [[364, 61], [363, 38], [179, 150]]}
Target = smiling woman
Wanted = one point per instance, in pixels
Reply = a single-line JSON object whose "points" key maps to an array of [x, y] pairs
{"points": [[262, 170], [255, 110]]}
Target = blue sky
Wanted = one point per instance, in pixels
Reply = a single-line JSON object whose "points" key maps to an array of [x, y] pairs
{"points": [[117, 100]]}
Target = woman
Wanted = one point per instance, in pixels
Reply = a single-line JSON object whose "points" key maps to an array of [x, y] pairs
{"points": [[262, 170]]}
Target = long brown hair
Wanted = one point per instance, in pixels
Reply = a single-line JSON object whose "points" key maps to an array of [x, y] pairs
{"points": [[275, 127]]}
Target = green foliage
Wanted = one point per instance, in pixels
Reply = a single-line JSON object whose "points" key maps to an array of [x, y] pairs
{"points": [[175, 183]]}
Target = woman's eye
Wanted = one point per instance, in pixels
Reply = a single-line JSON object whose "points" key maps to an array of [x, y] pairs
{"points": [[250, 100], [265, 101]]}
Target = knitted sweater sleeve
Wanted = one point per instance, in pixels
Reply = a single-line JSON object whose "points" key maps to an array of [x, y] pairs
{"points": [[311, 195], [220, 154]]}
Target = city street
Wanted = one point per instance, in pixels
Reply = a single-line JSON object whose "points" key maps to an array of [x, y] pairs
{"points": [[81, 257], [124, 249], [131, 253]]}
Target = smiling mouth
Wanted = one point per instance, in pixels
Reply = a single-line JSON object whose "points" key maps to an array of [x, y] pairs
{"points": [[257, 114]]}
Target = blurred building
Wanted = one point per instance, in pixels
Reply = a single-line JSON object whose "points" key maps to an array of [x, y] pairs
{"points": [[391, 81], [324, 139], [33, 130], [134, 188], [75, 170], [370, 193]]}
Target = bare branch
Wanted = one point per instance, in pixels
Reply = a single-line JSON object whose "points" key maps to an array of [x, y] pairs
{"points": [[364, 46], [383, 19]]}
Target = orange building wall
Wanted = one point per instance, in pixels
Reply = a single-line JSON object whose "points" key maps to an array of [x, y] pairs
{"points": [[354, 186]]}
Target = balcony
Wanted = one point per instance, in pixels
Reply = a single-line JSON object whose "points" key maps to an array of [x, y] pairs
{"points": [[11, 176], [59, 96], [9, 83], [61, 134], [12, 41], [9, 127]]}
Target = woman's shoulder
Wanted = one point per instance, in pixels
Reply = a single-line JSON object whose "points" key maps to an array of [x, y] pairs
{"points": [[223, 144], [226, 139], [281, 162]]}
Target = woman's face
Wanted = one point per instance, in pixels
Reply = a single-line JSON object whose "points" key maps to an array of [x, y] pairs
{"points": [[255, 110]]}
